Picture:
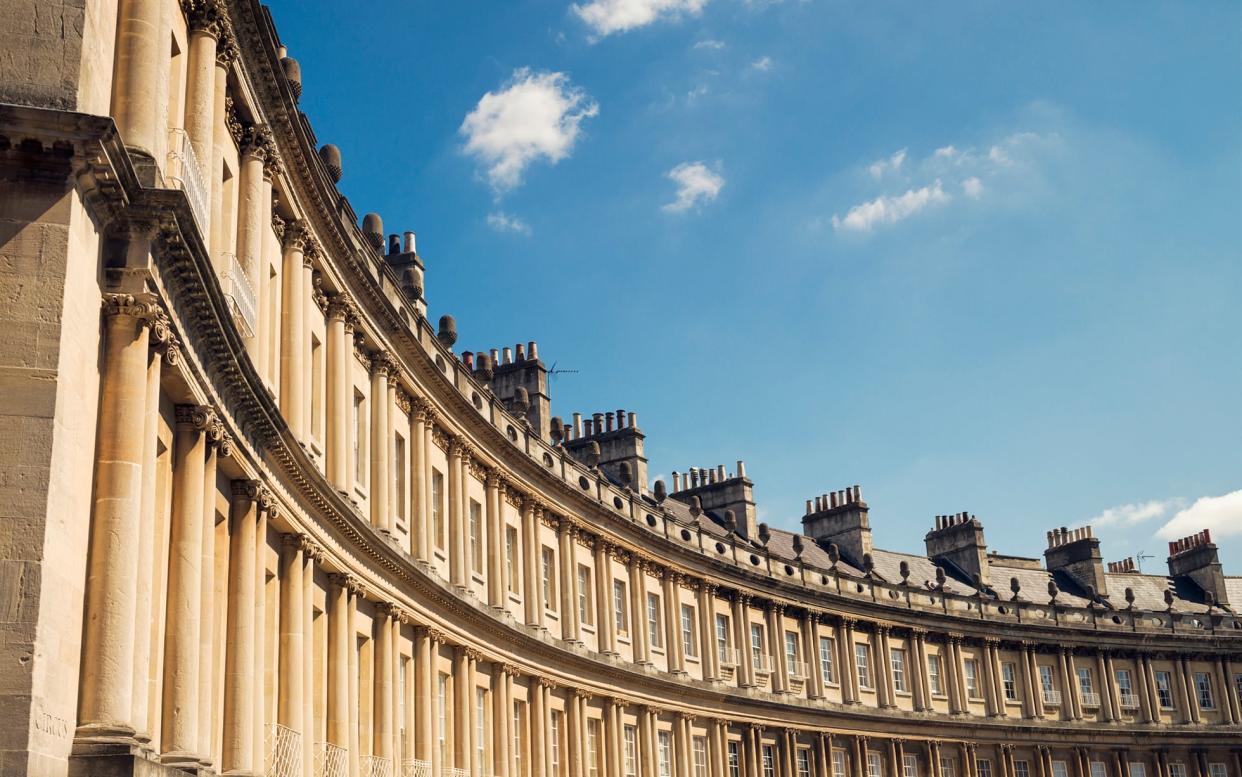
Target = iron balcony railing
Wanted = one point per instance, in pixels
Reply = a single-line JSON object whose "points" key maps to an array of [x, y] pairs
{"points": [[239, 293], [1129, 701], [184, 173], [416, 767], [330, 761], [450, 771], [1052, 698], [761, 662], [375, 766], [282, 751], [796, 669], [728, 657], [1090, 699]]}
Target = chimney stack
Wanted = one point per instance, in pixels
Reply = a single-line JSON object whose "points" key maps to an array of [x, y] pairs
{"points": [[1196, 557], [958, 540], [842, 520], [617, 445], [1076, 553]]}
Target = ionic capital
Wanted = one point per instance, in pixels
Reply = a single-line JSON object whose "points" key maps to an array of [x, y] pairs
{"points": [[194, 418], [144, 307]]}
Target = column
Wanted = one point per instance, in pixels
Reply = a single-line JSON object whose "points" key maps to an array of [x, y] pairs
{"points": [[566, 534], [290, 709], [709, 649], [953, 662], [385, 685], [1228, 691], [179, 729], [860, 756], [341, 317], [638, 596], [612, 739], [310, 552], [681, 745], [458, 537], [849, 683], [497, 579], [381, 442], [605, 610], [140, 56], [339, 638], [532, 596], [538, 727], [810, 655], [883, 666], [502, 721], [1103, 687], [420, 432], [1114, 696], [145, 723], [918, 658], [219, 444], [424, 694], [990, 695], [254, 219], [1069, 686], [259, 613], [240, 684], [105, 703], [1031, 682], [776, 644], [293, 381], [741, 641], [351, 661], [462, 704], [576, 735], [206, 25], [672, 623]]}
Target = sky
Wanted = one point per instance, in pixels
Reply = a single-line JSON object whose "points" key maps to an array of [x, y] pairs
{"points": [[972, 256]]}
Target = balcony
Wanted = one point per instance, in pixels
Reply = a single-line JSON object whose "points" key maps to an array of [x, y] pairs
{"points": [[375, 766], [728, 657], [239, 294], [330, 761], [449, 771], [796, 669], [184, 173], [1090, 699], [1052, 698], [761, 662], [1129, 702], [416, 767], [282, 751]]}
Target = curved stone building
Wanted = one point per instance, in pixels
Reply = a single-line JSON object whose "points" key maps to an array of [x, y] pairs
{"points": [[259, 517]]}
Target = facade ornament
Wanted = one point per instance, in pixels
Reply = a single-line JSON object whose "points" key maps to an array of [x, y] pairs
{"points": [[546, 682], [310, 548], [583, 694], [198, 418], [382, 363], [295, 235], [227, 50], [141, 306], [403, 401], [233, 122], [317, 292], [206, 16], [355, 586], [224, 446], [340, 306], [512, 670]]}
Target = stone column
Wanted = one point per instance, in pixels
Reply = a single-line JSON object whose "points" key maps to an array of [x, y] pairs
{"points": [[532, 596], [219, 444], [883, 666], [381, 442], [1103, 687], [1114, 695], [1069, 675], [953, 663], [182, 641], [424, 694], [497, 578], [566, 534], [605, 610], [354, 702], [310, 552], [849, 665], [991, 697], [708, 649], [776, 646], [260, 630], [240, 684], [810, 656], [612, 739], [672, 624], [383, 697], [458, 537], [254, 220], [207, 23], [502, 721], [105, 704], [339, 648], [576, 734], [745, 669], [341, 317], [293, 382], [463, 736], [638, 598], [538, 727], [141, 53], [918, 660], [420, 433], [1033, 706], [290, 709], [1228, 691]]}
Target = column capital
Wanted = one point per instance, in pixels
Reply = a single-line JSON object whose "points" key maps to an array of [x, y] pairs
{"points": [[545, 682], [310, 548], [513, 670], [342, 308], [206, 16], [403, 401], [423, 409], [583, 693], [383, 364], [227, 50], [296, 236], [196, 418], [144, 307]]}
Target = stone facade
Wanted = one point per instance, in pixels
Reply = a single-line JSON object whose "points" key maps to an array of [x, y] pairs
{"points": [[258, 517]]}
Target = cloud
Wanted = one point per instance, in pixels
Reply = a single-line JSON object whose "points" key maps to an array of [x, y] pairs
{"points": [[696, 184], [1133, 514], [606, 17], [763, 64], [714, 45], [973, 187], [534, 116], [885, 210], [946, 152], [890, 165], [503, 222], [1221, 514]]}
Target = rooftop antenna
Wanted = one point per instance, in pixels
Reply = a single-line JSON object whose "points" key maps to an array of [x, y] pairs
{"points": [[1138, 558], [553, 372]]}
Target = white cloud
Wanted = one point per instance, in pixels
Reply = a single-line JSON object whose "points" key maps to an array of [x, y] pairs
{"points": [[946, 152], [695, 93], [763, 64], [890, 165], [973, 187], [534, 116], [696, 184], [504, 222], [1221, 514], [606, 17], [885, 210], [1133, 514], [714, 45]]}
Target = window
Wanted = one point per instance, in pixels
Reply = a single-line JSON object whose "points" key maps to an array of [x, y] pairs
{"points": [[586, 613], [631, 751], [437, 506], [1177, 769], [441, 711], [972, 677], [665, 741], [316, 387], [548, 561], [1217, 770], [875, 765], [862, 657], [1045, 682], [398, 476], [700, 756], [909, 766], [555, 736], [1164, 690], [1203, 687], [722, 638], [735, 761], [480, 722], [756, 646], [948, 767], [897, 657], [360, 429], [1125, 690], [1021, 769], [518, 738], [655, 635], [511, 567], [689, 645], [825, 660], [1059, 769], [476, 537], [933, 674], [983, 767], [792, 664], [1098, 769], [769, 761], [1084, 681], [618, 606], [1138, 769], [1010, 681], [592, 748], [838, 763], [804, 763]]}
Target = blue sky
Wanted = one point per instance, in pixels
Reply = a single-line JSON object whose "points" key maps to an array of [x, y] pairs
{"points": [[973, 256]]}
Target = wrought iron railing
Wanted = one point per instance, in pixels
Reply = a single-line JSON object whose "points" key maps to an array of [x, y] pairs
{"points": [[282, 751], [415, 767], [762, 662], [795, 668], [1052, 698], [1090, 699], [1129, 701], [375, 766], [239, 293], [183, 172], [728, 657], [330, 760], [450, 771]]}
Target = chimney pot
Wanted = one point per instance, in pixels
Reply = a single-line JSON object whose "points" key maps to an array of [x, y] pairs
{"points": [[808, 505], [532, 348], [394, 244], [608, 422], [620, 419], [520, 353], [577, 425], [409, 243], [720, 472], [633, 420], [468, 358], [676, 482], [741, 468]]}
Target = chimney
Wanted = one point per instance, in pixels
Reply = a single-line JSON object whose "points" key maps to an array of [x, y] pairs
{"points": [[408, 266], [842, 521], [719, 493], [617, 445], [526, 372], [958, 540], [1195, 557], [1076, 553]]}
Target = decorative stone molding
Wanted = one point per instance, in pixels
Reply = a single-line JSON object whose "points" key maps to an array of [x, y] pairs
{"points": [[296, 236], [341, 307], [198, 418]]}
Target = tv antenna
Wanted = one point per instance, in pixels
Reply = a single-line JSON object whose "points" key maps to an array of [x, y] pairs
{"points": [[553, 371], [1138, 558]]}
